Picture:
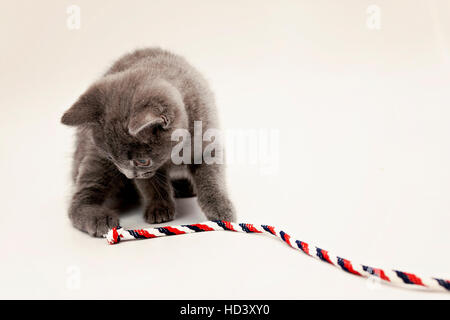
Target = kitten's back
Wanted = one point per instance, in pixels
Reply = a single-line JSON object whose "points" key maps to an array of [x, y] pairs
{"points": [[147, 56], [159, 63]]}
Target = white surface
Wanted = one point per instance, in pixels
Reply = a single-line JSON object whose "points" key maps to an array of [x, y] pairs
{"points": [[364, 153]]}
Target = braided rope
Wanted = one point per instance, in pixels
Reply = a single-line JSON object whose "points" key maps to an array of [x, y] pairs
{"points": [[118, 234]]}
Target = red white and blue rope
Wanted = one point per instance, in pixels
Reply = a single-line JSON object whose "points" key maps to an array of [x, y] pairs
{"points": [[118, 234]]}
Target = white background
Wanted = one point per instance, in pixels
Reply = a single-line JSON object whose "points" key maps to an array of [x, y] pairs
{"points": [[364, 157]]}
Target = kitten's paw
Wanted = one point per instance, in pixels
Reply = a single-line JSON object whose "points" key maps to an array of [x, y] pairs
{"points": [[160, 211], [220, 209], [225, 215], [95, 220], [101, 224]]}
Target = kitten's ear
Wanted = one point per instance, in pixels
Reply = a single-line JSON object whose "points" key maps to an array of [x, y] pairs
{"points": [[87, 109], [144, 119]]}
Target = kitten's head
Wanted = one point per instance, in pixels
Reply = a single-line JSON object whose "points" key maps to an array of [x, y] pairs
{"points": [[131, 119]]}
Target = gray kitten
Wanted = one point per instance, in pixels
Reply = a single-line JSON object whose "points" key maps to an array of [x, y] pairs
{"points": [[123, 146]]}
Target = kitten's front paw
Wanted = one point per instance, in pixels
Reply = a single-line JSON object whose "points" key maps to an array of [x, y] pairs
{"points": [[159, 211], [95, 220], [219, 208], [101, 224]]}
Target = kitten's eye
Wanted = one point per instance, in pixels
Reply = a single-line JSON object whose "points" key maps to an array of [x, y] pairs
{"points": [[142, 162]]}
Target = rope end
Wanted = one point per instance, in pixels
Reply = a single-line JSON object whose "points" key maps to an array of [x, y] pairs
{"points": [[113, 236]]}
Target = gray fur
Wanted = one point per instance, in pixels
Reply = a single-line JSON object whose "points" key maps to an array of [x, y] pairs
{"points": [[128, 115]]}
